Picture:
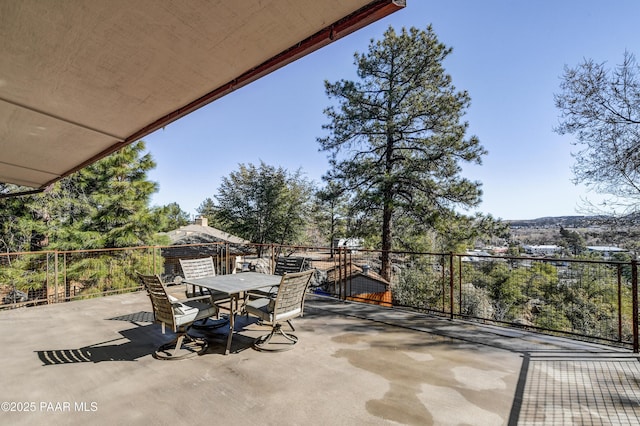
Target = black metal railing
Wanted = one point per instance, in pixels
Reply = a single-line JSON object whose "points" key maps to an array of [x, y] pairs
{"points": [[593, 299]]}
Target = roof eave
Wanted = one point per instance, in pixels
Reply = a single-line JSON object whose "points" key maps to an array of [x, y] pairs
{"points": [[366, 15]]}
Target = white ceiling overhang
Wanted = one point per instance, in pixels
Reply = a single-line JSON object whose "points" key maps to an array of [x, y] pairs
{"points": [[80, 79]]}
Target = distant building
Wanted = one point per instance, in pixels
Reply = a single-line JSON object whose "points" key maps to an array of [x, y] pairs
{"points": [[498, 250], [361, 284], [349, 243], [201, 232], [605, 251], [476, 256], [542, 250], [201, 240]]}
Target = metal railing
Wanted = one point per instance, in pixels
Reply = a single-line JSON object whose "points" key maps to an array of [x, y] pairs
{"points": [[587, 299], [590, 299]]}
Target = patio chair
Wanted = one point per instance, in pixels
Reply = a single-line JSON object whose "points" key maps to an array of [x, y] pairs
{"points": [[287, 305], [179, 315], [288, 265], [204, 267], [284, 265]]}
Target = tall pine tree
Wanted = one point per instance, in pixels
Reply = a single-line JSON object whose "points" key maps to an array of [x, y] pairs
{"points": [[396, 136]]}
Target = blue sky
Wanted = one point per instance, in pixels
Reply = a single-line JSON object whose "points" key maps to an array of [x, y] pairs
{"points": [[509, 55]]}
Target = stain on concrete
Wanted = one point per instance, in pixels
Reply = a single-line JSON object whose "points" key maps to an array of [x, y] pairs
{"points": [[450, 407], [433, 380], [480, 380]]}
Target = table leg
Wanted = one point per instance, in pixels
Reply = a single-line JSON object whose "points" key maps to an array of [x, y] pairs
{"points": [[232, 322]]}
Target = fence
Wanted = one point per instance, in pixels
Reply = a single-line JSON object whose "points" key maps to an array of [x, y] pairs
{"points": [[588, 299], [34, 278], [580, 298]]}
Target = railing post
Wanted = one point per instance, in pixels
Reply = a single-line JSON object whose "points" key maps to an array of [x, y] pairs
{"points": [[619, 303], [46, 280], [444, 276], [67, 290], [349, 283], [634, 297], [451, 285], [153, 258], [340, 272], [459, 285], [55, 275], [273, 258], [344, 275], [339, 275]]}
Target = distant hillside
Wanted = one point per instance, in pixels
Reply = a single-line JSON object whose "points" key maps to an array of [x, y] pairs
{"points": [[557, 221], [576, 221], [596, 230]]}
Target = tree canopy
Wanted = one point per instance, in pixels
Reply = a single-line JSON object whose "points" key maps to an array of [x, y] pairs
{"points": [[396, 136], [329, 213], [263, 204], [207, 209], [170, 217], [103, 205], [601, 107]]}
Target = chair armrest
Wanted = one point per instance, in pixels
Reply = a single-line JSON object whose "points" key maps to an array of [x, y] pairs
{"points": [[189, 299], [261, 292]]}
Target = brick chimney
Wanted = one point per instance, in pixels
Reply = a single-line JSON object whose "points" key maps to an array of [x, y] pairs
{"points": [[202, 221]]}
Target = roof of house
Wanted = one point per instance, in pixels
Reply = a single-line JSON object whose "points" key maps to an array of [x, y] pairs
{"points": [[202, 234], [605, 248], [352, 270]]}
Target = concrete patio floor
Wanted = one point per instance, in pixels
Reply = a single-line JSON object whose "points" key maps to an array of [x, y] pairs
{"points": [[90, 362]]}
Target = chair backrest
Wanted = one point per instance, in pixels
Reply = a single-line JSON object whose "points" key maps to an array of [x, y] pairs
{"points": [[162, 309], [288, 265], [289, 302], [197, 268]]}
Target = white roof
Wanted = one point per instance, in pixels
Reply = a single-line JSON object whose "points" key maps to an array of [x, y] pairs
{"points": [[605, 248]]}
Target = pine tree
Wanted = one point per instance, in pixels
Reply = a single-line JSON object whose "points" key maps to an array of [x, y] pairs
{"points": [[170, 217], [396, 136], [104, 205], [329, 213]]}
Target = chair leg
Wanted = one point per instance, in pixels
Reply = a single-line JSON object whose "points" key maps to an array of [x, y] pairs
{"points": [[183, 346], [178, 344], [289, 336], [263, 343]]}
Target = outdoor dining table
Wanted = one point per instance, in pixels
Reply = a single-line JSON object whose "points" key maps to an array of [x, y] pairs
{"points": [[235, 285]]}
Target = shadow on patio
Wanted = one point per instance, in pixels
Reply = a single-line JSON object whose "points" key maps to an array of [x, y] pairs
{"points": [[90, 361]]}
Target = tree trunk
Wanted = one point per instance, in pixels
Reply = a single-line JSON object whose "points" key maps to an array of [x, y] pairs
{"points": [[386, 240], [387, 209]]}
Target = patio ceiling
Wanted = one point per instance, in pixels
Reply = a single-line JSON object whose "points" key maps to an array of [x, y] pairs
{"points": [[81, 79]]}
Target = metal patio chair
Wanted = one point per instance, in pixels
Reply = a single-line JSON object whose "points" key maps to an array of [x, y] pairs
{"points": [[204, 267], [287, 305], [284, 265], [179, 315]]}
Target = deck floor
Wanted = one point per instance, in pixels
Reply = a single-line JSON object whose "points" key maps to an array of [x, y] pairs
{"points": [[90, 362]]}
